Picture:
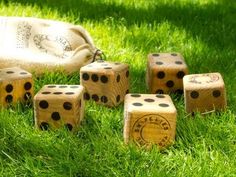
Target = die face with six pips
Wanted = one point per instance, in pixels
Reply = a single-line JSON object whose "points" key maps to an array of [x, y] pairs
{"points": [[204, 92], [16, 85], [149, 119], [105, 82], [59, 106], [165, 72]]}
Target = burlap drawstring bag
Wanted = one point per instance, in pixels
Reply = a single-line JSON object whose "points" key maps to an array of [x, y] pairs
{"points": [[39, 45]]}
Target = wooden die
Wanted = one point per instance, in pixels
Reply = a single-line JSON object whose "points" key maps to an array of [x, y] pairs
{"points": [[149, 119], [204, 92], [16, 85], [105, 82], [59, 106], [165, 72]]}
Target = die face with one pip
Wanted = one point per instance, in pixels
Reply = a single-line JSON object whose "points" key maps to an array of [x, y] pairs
{"points": [[59, 105], [165, 72], [204, 92], [149, 119], [105, 82], [16, 85]]}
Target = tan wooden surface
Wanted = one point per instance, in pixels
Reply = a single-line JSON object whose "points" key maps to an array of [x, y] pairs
{"points": [[149, 119], [105, 82], [16, 85], [165, 72], [65, 100], [204, 92]]}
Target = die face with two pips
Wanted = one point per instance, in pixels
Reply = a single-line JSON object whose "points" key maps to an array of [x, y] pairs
{"points": [[105, 82], [16, 85], [58, 106], [204, 92], [165, 72], [149, 119]]}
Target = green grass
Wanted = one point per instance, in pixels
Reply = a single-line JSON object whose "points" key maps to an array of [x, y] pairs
{"points": [[204, 31]]}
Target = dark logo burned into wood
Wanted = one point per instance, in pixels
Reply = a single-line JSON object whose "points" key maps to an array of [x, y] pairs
{"points": [[46, 44], [22, 35], [151, 128], [203, 79]]}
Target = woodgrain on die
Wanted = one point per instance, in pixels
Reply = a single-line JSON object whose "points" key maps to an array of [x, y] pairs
{"points": [[59, 105], [105, 82], [16, 85], [165, 72], [204, 92], [149, 119]]}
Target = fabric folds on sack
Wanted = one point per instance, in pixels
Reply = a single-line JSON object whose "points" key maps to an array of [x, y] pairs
{"points": [[39, 45]]}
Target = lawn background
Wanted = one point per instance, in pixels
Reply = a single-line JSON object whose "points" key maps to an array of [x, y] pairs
{"points": [[203, 31]]}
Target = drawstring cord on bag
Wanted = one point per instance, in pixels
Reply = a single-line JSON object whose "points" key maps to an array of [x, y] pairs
{"points": [[98, 55]]}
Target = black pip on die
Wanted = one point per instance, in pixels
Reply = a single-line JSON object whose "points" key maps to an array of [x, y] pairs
{"points": [[16, 85], [165, 72], [204, 92], [105, 82], [59, 106]]}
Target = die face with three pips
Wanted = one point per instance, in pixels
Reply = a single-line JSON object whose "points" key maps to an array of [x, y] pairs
{"points": [[16, 85], [149, 119], [105, 82], [204, 92], [58, 106], [165, 72]]}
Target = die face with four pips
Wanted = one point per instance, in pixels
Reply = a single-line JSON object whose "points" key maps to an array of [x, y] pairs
{"points": [[58, 106], [105, 82], [165, 72], [204, 92], [149, 119], [16, 85]]}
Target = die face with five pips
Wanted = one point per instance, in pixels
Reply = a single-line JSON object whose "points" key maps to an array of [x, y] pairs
{"points": [[149, 119], [58, 106], [165, 72], [204, 92], [16, 85], [105, 82]]}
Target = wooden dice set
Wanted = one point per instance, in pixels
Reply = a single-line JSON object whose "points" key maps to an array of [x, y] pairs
{"points": [[148, 118], [168, 73]]}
